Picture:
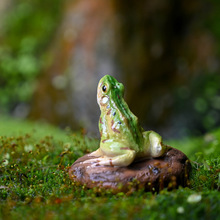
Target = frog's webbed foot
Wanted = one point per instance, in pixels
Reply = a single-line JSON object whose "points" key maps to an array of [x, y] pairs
{"points": [[120, 160], [94, 162]]}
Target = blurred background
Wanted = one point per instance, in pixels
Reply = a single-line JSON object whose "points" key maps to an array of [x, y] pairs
{"points": [[165, 52]]}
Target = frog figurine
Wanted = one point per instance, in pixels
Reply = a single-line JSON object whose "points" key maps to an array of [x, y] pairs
{"points": [[123, 140]]}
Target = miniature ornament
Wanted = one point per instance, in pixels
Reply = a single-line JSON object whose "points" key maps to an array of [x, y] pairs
{"points": [[127, 153]]}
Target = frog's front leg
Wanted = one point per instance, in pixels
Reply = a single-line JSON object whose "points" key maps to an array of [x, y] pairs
{"points": [[125, 158], [97, 153], [122, 160]]}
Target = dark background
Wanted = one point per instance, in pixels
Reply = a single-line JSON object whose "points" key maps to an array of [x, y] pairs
{"points": [[166, 53]]}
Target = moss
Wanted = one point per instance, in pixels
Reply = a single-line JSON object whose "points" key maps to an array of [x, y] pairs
{"points": [[34, 182]]}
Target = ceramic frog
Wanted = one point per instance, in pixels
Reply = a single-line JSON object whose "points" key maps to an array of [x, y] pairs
{"points": [[122, 138]]}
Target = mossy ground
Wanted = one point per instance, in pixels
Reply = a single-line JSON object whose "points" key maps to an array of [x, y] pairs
{"points": [[34, 182]]}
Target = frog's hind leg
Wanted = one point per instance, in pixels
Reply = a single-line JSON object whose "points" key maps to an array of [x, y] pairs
{"points": [[157, 148]]}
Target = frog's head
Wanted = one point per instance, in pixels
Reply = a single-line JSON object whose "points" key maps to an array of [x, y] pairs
{"points": [[109, 89]]}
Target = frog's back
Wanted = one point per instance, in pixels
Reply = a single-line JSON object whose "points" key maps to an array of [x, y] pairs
{"points": [[130, 129]]}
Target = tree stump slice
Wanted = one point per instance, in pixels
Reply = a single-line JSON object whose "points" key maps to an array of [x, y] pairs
{"points": [[154, 174]]}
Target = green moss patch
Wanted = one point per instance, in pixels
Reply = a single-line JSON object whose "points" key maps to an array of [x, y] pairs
{"points": [[34, 181]]}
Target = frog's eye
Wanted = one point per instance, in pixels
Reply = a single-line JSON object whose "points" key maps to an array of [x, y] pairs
{"points": [[104, 89]]}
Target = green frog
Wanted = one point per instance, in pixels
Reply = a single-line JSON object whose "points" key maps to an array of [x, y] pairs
{"points": [[123, 140]]}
